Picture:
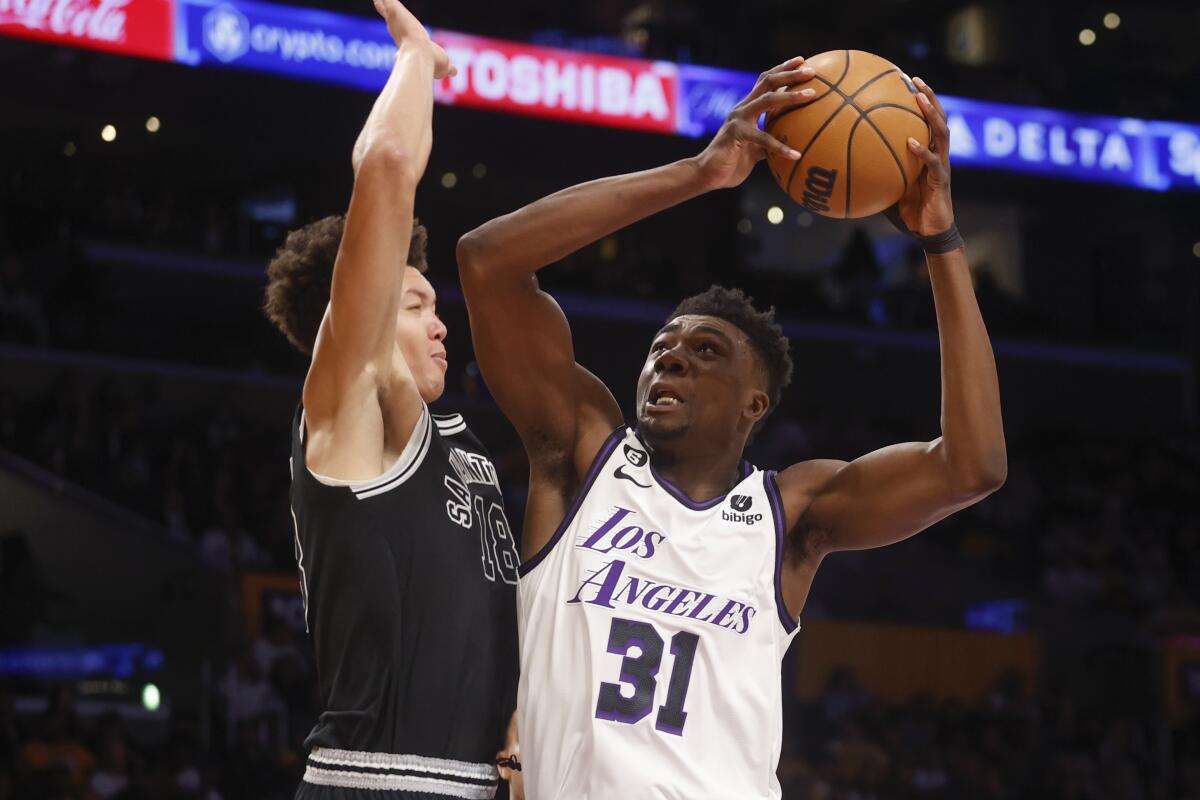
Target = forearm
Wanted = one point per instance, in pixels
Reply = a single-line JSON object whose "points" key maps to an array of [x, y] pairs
{"points": [[972, 429], [400, 121], [556, 226]]}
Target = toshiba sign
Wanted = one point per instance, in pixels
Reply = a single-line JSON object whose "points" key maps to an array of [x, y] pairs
{"points": [[544, 82]]}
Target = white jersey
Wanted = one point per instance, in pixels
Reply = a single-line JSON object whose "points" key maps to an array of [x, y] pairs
{"points": [[651, 632]]}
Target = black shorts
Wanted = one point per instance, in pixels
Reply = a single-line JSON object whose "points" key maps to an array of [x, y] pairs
{"points": [[353, 775]]}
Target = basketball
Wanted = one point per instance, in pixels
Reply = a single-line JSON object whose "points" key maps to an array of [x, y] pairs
{"points": [[852, 136]]}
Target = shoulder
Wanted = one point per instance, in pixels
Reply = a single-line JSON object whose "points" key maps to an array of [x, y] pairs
{"points": [[807, 478], [799, 485]]}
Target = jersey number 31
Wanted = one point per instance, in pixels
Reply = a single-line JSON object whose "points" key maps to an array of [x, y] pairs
{"points": [[641, 672]]}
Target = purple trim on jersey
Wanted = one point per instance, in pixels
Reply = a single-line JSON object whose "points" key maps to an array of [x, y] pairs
{"points": [[773, 497], [678, 493], [746, 469], [605, 451]]}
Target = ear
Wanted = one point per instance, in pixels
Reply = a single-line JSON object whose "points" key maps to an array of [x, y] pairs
{"points": [[758, 406]]}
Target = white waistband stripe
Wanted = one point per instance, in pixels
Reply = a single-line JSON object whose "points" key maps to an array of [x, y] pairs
{"points": [[442, 766], [401, 783], [442, 776]]}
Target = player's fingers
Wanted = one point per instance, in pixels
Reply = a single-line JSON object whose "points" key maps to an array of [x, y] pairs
{"points": [[938, 127], [765, 142], [381, 8], [792, 63], [928, 157], [778, 80], [774, 101], [926, 90], [765, 82]]}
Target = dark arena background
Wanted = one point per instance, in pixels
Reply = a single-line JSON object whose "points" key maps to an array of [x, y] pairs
{"points": [[153, 154]]}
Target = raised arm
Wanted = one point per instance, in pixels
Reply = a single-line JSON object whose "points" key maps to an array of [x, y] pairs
{"points": [[893, 493], [521, 336], [354, 348]]}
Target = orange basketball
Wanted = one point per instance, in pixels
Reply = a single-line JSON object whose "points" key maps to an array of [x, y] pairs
{"points": [[852, 136]]}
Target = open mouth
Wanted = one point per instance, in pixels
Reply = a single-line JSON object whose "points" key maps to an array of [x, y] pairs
{"points": [[664, 399]]}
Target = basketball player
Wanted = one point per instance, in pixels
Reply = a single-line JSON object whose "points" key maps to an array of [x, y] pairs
{"points": [[407, 565], [664, 575]]}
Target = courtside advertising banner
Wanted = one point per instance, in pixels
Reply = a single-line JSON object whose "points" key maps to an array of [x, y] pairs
{"points": [[143, 28], [588, 88], [559, 84], [299, 43]]}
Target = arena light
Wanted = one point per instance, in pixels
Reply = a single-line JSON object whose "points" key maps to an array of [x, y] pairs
{"points": [[1087, 37], [1112, 20], [804, 219], [69, 149], [1196, 249], [744, 225], [153, 124], [449, 180], [774, 215], [151, 697], [109, 133], [479, 171]]}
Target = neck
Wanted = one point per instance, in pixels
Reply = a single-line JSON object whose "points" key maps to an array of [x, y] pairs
{"points": [[699, 473]]}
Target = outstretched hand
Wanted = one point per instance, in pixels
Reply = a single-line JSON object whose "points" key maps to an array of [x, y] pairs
{"points": [[407, 30], [740, 143], [926, 210]]}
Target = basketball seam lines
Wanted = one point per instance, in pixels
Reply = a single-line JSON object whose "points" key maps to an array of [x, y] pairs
{"points": [[850, 152], [879, 133], [832, 88], [888, 145], [811, 142], [847, 100], [845, 70], [895, 105]]}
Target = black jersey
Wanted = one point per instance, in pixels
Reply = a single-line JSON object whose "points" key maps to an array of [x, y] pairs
{"points": [[409, 587]]}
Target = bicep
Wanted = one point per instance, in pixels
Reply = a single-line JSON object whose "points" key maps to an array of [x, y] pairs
{"points": [[524, 347], [884, 497]]}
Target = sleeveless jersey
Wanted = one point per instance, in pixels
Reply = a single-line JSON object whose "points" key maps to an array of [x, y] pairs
{"points": [[408, 582], [652, 631]]}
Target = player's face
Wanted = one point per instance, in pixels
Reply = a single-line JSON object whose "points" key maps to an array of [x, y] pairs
{"points": [[420, 333], [702, 378]]}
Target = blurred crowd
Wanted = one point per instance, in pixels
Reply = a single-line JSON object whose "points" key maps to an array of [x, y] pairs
{"points": [[1014, 744], [845, 745]]}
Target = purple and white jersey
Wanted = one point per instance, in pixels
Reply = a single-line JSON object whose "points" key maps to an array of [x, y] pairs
{"points": [[651, 632]]}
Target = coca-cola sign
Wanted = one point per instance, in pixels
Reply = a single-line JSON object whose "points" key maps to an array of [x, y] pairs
{"points": [[132, 27]]}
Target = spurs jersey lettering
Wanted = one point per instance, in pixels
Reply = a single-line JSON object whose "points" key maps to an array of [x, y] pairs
{"points": [[408, 582], [651, 633]]}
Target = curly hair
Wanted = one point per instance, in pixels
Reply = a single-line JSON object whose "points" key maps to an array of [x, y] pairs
{"points": [[300, 275], [760, 327]]}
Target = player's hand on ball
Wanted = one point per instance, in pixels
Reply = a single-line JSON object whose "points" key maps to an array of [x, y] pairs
{"points": [[407, 30], [926, 209], [740, 143]]}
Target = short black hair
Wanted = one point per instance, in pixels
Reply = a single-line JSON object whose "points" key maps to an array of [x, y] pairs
{"points": [[760, 327], [300, 277]]}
